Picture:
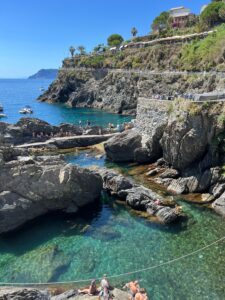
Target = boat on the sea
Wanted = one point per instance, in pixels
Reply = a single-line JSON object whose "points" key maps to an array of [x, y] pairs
{"points": [[42, 89], [1, 107], [3, 116], [26, 110]]}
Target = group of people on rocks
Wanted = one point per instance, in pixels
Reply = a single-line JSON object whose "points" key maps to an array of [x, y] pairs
{"points": [[50, 135], [88, 124], [136, 293], [105, 290], [120, 127], [187, 96], [111, 128]]}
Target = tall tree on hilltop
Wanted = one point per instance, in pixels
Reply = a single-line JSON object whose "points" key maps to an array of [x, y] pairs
{"points": [[114, 40], [161, 22], [72, 51], [134, 31], [81, 49]]}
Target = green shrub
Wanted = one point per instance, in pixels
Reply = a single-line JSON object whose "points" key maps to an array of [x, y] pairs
{"points": [[161, 22], [92, 61], [114, 40], [221, 120], [194, 109], [211, 15]]}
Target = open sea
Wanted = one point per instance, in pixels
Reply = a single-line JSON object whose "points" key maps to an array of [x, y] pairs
{"points": [[17, 93], [109, 237]]}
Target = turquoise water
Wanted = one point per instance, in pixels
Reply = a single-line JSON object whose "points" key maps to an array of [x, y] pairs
{"points": [[16, 93], [109, 237]]}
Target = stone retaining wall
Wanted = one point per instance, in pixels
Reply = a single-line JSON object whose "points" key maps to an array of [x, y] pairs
{"points": [[151, 113]]}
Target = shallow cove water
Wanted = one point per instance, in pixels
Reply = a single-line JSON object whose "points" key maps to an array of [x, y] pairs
{"points": [[109, 237]]}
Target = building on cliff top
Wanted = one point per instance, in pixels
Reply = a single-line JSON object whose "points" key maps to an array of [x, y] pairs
{"points": [[180, 16]]}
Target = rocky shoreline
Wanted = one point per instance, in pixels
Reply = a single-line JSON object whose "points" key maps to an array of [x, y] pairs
{"points": [[187, 149], [33, 184], [32, 130], [49, 294], [118, 91], [140, 198], [187, 144]]}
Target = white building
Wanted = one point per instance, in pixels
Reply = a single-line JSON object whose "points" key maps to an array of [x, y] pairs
{"points": [[180, 16]]}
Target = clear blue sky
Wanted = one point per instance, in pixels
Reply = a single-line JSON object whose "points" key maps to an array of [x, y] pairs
{"points": [[36, 34]]}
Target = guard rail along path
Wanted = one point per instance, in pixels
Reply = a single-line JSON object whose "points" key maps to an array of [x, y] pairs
{"points": [[144, 73]]}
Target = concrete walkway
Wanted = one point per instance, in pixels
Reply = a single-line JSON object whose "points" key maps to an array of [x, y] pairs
{"points": [[70, 142]]}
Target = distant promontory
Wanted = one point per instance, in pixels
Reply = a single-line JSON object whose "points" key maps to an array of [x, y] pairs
{"points": [[45, 74]]}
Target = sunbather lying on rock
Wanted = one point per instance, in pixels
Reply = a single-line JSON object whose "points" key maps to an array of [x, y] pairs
{"points": [[92, 290]]}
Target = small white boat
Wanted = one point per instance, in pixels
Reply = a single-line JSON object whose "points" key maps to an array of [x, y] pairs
{"points": [[3, 116], [42, 89], [26, 110]]}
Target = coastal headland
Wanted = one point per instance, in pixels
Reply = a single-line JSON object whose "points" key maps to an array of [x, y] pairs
{"points": [[153, 194]]}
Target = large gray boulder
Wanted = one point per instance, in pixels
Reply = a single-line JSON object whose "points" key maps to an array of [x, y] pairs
{"points": [[121, 148], [186, 142], [195, 183], [70, 128], [32, 188], [114, 182], [22, 294], [219, 205], [34, 125]]}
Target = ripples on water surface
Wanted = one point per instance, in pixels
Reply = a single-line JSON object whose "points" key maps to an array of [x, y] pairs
{"points": [[110, 238]]}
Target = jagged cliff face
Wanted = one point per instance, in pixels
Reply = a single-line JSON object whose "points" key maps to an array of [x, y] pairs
{"points": [[118, 92], [187, 137], [98, 89], [187, 140]]}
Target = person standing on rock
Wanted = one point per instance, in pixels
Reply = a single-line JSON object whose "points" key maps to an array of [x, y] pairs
{"points": [[104, 282], [105, 289]]}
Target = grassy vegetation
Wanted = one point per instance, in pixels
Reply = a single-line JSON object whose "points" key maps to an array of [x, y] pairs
{"points": [[155, 57], [181, 107], [184, 106], [205, 54], [200, 55]]}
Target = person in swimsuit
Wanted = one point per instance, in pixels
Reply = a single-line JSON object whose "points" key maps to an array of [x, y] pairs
{"points": [[92, 290], [133, 286], [141, 295]]}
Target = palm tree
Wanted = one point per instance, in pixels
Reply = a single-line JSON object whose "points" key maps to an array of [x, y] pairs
{"points": [[72, 51], [81, 49], [134, 31]]}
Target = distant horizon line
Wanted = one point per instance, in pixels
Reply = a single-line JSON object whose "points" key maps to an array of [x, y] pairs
{"points": [[20, 78]]}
